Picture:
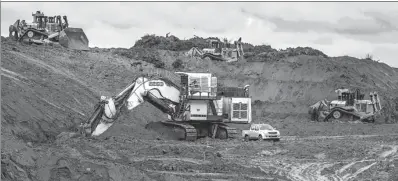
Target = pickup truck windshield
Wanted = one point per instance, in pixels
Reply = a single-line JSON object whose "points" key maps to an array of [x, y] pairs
{"points": [[266, 127]]}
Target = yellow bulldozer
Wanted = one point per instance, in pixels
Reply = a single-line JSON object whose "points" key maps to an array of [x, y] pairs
{"points": [[49, 29]]}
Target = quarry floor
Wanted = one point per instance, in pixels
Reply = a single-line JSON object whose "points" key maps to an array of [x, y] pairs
{"points": [[71, 157]]}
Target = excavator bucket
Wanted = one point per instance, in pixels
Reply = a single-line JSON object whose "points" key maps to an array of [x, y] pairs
{"points": [[73, 38]]}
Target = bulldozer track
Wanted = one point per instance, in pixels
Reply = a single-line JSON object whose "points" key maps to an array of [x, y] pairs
{"points": [[190, 131], [345, 112], [213, 57], [24, 35]]}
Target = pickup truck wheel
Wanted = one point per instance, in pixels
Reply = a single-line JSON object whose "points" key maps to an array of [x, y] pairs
{"points": [[260, 137], [246, 138]]}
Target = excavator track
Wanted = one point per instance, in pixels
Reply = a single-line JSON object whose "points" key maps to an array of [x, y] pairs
{"points": [[231, 131], [190, 131]]}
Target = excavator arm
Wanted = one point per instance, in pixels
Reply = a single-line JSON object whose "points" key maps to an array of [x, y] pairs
{"points": [[157, 91]]}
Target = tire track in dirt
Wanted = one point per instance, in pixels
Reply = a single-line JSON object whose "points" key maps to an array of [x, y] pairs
{"points": [[313, 171], [295, 138], [204, 174], [382, 156]]}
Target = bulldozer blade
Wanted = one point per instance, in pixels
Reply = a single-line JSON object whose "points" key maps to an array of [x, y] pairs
{"points": [[73, 38]]}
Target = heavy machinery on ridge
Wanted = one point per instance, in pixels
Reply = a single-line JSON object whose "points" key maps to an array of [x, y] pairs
{"points": [[193, 102], [350, 106], [220, 51], [46, 29]]}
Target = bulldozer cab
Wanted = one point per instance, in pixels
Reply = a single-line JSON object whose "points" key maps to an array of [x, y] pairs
{"points": [[36, 16], [51, 20], [214, 44], [349, 97], [39, 19]]}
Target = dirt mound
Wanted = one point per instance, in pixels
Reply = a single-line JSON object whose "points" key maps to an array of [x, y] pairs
{"points": [[165, 132], [169, 43], [48, 90], [39, 100], [269, 54], [134, 124]]}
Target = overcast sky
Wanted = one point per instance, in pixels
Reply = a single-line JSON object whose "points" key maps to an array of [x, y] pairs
{"points": [[336, 28]]}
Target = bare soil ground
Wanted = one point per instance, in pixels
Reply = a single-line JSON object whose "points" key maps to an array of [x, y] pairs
{"points": [[47, 91], [349, 158]]}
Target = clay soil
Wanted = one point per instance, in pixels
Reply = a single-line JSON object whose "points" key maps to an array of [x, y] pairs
{"points": [[48, 90]]}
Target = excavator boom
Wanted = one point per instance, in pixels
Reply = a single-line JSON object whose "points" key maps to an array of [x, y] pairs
{"points": [[108, 109]]}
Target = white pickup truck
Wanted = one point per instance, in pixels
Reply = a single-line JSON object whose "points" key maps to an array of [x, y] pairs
{"points": [[261, 132]]}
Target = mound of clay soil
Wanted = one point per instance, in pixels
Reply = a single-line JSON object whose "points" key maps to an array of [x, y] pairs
{"points": [[38, 100], [47, 90]]}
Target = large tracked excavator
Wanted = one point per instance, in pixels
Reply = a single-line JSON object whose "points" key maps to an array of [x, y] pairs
{"points": [[49, 29], [193, 102]]}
